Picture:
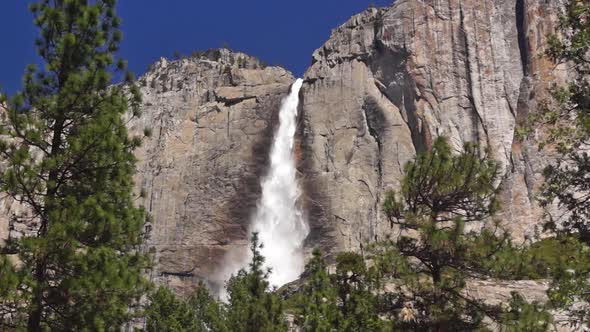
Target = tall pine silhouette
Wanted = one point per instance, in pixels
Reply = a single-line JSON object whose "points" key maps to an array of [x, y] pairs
{"points": [[252, 306], [68, 158], [441, 195]]}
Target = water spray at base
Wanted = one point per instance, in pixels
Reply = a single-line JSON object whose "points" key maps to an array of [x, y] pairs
{"points": [[278, 220]]}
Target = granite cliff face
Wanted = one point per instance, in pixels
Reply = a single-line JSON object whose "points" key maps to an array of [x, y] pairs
{"points": [[212, 118], [385, 84], [390, 80]]}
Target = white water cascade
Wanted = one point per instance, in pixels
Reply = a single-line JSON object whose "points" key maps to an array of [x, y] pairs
{"points": [[279, 222]]}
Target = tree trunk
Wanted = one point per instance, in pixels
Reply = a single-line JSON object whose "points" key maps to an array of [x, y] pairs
{"points": [[36, 313], [34, 321]]}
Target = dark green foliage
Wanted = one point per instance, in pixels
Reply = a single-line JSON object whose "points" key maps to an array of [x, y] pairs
{"points": [[319, 298], [168, 313], [344, 301], [440, 187], [177, 55], [566, 122], [357, 287], [208, 310], [523, 316], [568, 184], [251, 305], [539, 260], [69, 160], [498, 257], [570, 273], [200, 312], [440, 195], [10, 310]]}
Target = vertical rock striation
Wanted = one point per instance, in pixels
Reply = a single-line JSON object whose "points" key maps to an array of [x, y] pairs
{"points": [[212, 118], [390, 80], [385, 84]]}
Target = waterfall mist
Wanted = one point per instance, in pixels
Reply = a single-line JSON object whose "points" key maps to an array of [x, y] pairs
{"points": [[278, 220]]}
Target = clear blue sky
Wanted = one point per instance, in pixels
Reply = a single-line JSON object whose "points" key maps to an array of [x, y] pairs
{"points": [[284, 32]]}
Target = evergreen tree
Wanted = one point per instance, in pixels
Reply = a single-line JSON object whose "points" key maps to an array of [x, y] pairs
{"points": [[565, 123], [319, 298], [523, 316], [208, 311], [570, 289], [357, 288], [199, 312], [69, 159], [10, 310], [344, 301], [252, 307], [440, 196], [168, 313]]}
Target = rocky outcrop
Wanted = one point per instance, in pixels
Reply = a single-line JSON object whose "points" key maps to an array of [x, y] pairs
{"points": [[5, 206], [390, 80], [211, 118], [10, 226], [386, 83]]}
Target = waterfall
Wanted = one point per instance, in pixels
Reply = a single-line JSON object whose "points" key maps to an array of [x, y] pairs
{"points": [[278, 220]]}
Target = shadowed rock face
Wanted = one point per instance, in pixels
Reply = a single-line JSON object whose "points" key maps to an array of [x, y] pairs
{"points": [[385, 84], [390, 80]]}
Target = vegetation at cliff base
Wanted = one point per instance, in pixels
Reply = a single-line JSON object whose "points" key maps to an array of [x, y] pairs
{"points": [[417, 281], [564, 126], [78, 262], [251, 304]]}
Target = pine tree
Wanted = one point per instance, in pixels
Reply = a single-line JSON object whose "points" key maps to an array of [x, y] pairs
{"points": [[199, 312], [523, 316], [566, 124], [69, 159], [168, 313], [344, 301], [319, 298], [441, 194], [208, 311], [357, 287], [252, 307]]}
